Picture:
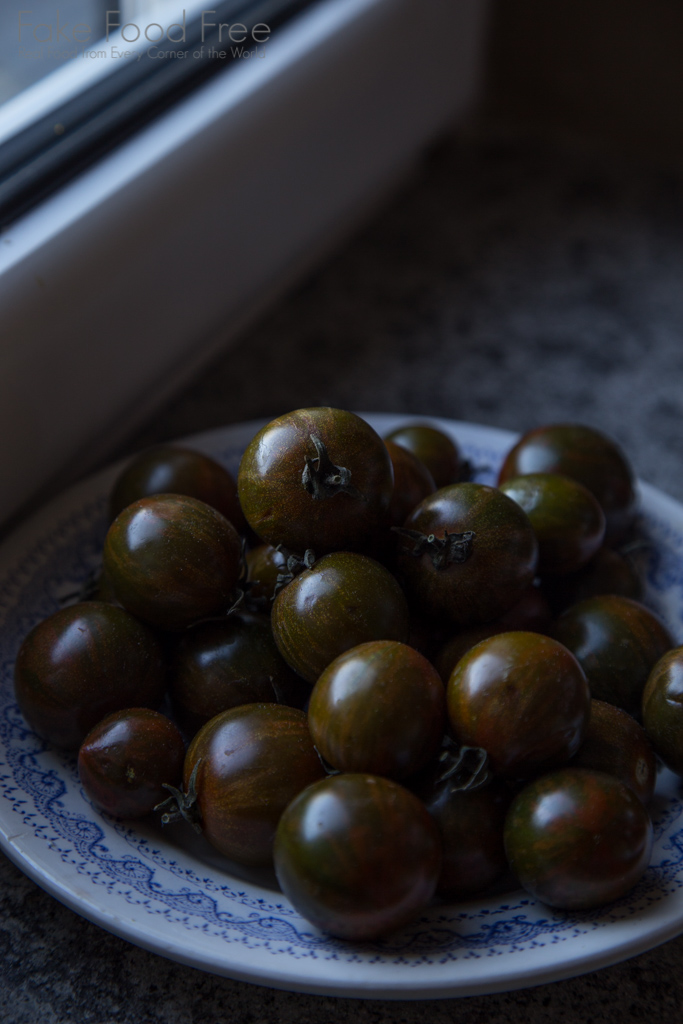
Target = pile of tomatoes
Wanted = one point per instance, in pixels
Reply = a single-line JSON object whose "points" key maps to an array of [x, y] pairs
{"points": [[388, 680]]}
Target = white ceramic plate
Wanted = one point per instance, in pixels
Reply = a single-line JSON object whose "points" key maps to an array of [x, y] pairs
{"points": [[170, 893]]}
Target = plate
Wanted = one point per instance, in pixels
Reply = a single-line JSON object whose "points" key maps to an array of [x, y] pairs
{"points": [[173, 895]]}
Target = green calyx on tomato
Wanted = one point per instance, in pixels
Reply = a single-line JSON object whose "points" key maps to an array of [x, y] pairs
{"points": [[451, 549], [321, 478], [497, 539]]}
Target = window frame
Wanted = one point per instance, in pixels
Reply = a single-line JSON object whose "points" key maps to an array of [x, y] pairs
{"points": [[122, 285]]}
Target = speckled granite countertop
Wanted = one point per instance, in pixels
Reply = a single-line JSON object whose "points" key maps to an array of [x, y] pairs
{"points": [[512, 282]]}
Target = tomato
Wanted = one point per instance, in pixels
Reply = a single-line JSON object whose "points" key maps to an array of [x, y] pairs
{"points": [[345, 599], [578, 839], [226, 662], [126, 758], [663, 709], [412, 483], [172, 469], [568, 521], [82, 663], [617, 642], [468, 552], [172, 560], [264, 564], [524, 699], [614, 743], [585, 455], [378, 708], [531, 614], [250, 762], [471, 823], [316, 478], [435, 450], [357, 855]]}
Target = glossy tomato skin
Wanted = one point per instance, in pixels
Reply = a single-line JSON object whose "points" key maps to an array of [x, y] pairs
{"points": [[578, 839], [608, 572], [126, 758], [253, 760], [501, 564], [172, 469], [663, 709], [531, 614], [172, 560], [524, 699], [567, 519], [378, 708], [435, 450], [83, 663], [344, 600], [277, 504], [357, 855], [585, 455], [617, 641], [223, 663], [458, 646], [471, 825], [412, 483], [614, 743]]}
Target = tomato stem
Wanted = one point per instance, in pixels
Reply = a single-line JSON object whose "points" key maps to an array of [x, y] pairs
{"points": [[321, 478], [295, 565], [464, 768], [180, 805], [444, 551]]}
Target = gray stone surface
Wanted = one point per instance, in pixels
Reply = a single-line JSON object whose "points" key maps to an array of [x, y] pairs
{"points": [[512, 282]]}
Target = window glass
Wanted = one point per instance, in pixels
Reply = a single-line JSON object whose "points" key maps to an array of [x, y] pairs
{"points": [[80, 76]]}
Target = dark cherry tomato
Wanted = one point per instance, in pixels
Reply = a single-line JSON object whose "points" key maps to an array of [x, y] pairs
{"points": [[524, 699], [471, 823], [378, 708], [614, 743], [253, 760], [578, 839], [585, 455], [435, 450], [458, 646], [172, 469], [608, 572], [316, 478], [125, 760], [82, 663], [617, 642], [223, 663], [264, 564], [412, 483], [663, 709], [476, 579], [344, 600], [357, 855], [568, 521], [172, 560], [531, 614]]}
